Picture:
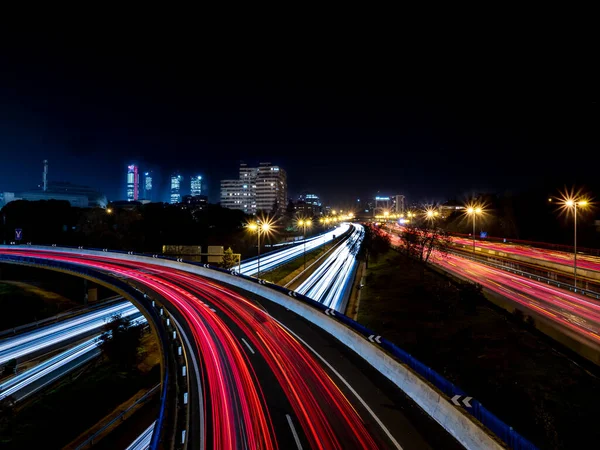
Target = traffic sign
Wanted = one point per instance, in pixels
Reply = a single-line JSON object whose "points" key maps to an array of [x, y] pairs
{"points": [[18, 234]]}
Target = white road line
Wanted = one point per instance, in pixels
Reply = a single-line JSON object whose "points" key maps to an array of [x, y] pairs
{"points": [[296, 438], [248, 345], [339, 375]]}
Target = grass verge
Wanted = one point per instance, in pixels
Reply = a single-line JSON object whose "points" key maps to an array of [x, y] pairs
{"points": [[281, 272], [516, 372]]}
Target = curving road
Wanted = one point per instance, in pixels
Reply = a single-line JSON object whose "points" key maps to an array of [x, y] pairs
{"points": [[262, 377], [328, 284]]}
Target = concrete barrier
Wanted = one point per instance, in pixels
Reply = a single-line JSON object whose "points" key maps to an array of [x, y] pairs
{"points": [[462, 426]]}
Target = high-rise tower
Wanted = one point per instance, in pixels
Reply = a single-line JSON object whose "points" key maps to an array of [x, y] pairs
{"points": [[133, 183], [175, 189], [196, 186]]}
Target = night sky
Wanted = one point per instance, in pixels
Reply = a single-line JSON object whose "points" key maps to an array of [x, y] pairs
{"points": [[431, 132]]}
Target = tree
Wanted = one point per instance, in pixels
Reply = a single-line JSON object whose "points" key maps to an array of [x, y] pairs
{"points": [[375, 243], [229, 259], [120, 342], [421, 242]]}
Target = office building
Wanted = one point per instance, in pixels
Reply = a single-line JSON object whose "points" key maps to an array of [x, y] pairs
{"points": [[148, 186], [271, 188], [231, 195], [262, 188], [196, 186], [175, 189], [133, 183]]}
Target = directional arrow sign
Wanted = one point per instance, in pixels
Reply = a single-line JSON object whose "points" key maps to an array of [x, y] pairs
{"points": [[330, 312], [18, 234], [459, 401], [374, 338]]}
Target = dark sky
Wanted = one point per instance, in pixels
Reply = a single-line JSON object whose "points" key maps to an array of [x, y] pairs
{"points": [[430, 128]]}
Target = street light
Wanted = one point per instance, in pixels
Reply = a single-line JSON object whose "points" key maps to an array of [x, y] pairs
{"points": [[304, 223], [259, 227], [572, 203], [474, 211]]}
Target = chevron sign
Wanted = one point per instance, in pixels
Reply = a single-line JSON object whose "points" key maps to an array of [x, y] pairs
{"points": [[459, 400]]}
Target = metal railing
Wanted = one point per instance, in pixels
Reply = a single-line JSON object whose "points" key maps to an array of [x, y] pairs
{"points": [[540, 278], [90, 440]]}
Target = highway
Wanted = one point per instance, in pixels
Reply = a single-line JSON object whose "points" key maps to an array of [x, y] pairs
{"points": [[45, 373], [273, 260], [328, 284], [583, 261], [46, 338], [577, 314], [262, 377]]}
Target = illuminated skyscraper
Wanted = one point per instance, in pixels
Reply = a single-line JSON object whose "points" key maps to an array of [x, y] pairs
{"points": [[148, 186], [133, 183], [196, 186], [175, 189]]}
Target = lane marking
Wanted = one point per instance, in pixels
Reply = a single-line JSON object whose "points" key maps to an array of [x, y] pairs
{"points": [[339, 375], [296, 438], [248, 345]]}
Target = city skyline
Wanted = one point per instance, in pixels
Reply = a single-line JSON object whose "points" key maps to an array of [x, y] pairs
{"points": [[344, 138]]}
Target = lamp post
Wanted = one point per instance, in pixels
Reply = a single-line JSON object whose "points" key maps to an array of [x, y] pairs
{"points": [[570, 203], [258, 227], [474, 211], [304, 223]]}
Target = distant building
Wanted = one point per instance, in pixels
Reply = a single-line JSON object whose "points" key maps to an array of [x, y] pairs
{"points": [[258, 188], [175, 189], [308, 204], [148, 186], [195, 201], [78, 196], [196, 185], [271, 187], [231, 192], [133, 183]]}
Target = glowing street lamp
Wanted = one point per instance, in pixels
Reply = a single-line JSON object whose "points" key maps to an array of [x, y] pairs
{"points": [[304, 223], [474, 211], [574, 204], [259, 227]]}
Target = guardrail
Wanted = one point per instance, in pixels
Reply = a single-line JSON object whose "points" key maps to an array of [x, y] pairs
{"points": [[523, 273], [130, 292], [546, 245], [453, 394], [90, 441]]}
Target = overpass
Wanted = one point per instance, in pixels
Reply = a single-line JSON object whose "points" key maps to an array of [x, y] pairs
{"points": [[255, 364]]}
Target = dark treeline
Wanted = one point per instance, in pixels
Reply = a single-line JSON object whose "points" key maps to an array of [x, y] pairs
{"points": [[145, 228]]}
